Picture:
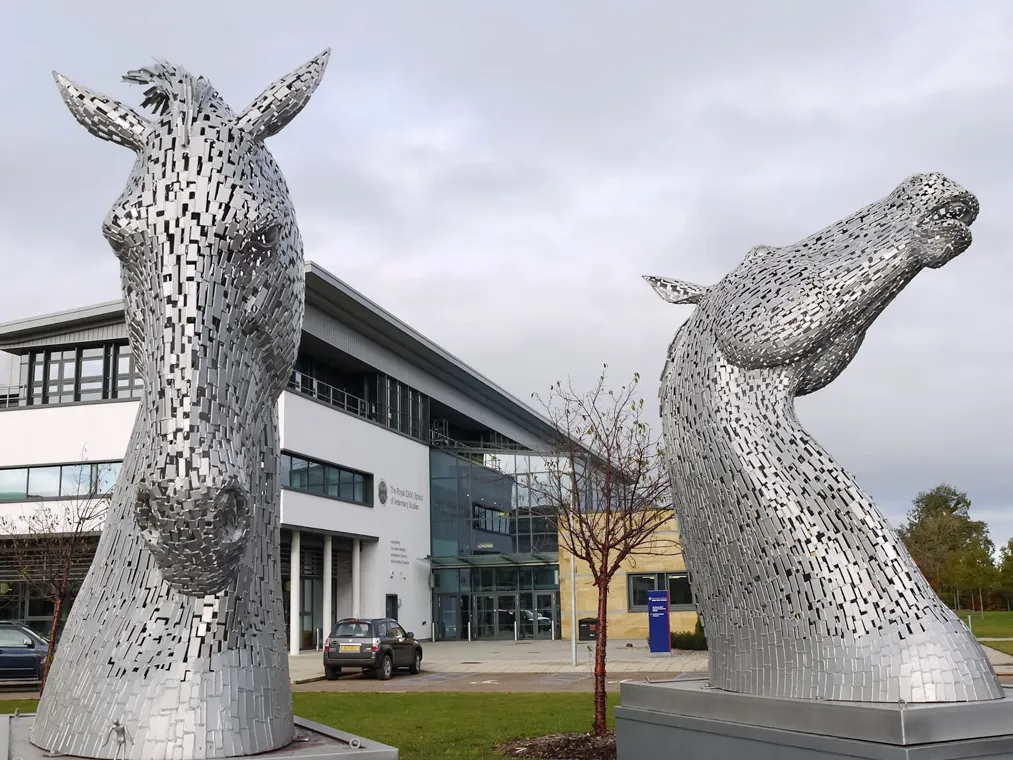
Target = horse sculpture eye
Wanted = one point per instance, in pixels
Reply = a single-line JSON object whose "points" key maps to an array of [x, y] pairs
{"points": [[267, 237], [119, 246]]}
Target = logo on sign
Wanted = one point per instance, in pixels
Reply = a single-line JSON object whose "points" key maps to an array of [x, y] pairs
{"points": [[381, 492]]}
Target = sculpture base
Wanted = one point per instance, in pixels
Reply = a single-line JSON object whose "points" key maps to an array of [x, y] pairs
{"points": [[312, 740], [692, 721]]}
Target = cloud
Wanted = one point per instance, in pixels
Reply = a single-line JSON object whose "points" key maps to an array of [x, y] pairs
{"points": [[500, 175]]}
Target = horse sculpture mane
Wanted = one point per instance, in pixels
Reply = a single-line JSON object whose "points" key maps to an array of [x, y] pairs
{"points": [[803, 588], [176, 639]]}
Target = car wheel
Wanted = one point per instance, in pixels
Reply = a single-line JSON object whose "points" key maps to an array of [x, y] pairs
{"points": [[332, 674], [416, 666], [386, 669]]}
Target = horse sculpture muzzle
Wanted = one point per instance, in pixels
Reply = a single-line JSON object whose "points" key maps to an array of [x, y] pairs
{"points": [[198, 535]]}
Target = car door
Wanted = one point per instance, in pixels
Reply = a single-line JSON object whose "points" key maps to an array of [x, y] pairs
{"points": [[402, 647], [17, 661]]}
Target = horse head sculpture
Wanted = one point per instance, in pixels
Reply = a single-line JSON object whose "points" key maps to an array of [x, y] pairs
{"points": [[177, 635], [803, 588], [212, 271]]}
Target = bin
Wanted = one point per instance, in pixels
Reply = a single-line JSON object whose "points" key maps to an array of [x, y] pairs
{"points": [[587, 629]]}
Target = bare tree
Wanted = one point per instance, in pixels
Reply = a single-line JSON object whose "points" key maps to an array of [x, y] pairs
{"points": [[51, 543], [608, 489]]}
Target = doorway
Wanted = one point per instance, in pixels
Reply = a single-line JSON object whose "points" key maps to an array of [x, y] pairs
{"points": [[496, 616], [392, 605], [448, 617], [538, 618]]}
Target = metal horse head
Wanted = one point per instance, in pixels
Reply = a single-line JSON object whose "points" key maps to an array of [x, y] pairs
{"points": [[805, 307], [211, 265]]}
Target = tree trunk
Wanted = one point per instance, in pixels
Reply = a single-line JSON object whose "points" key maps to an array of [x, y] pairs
{"points": [[600, 712], [57, 611], [981, 603]]}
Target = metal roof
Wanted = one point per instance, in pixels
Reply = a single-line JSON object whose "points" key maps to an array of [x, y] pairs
{"points": [[346, 305]]}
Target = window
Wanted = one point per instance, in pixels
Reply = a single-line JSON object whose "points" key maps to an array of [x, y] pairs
{"points": [[13, 484], [356, 630], [323, 479], [43, 482], [680, 596], [12, 638], [69, 481], [92, 374], [397, 632], [128, 380], [76, 480], [79, 373]]}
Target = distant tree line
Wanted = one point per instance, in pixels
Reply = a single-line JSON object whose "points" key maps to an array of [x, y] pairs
{"points": [[956, 553]]}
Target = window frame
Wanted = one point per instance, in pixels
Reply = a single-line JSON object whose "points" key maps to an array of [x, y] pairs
{"points": [[660, 583], [330, 474], [94, 478]]}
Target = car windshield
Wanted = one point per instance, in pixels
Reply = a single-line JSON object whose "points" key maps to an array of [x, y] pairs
{"points": [[354, 629]]}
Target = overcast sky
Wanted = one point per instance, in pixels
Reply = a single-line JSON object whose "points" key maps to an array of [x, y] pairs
{"points": [[500, 175]]}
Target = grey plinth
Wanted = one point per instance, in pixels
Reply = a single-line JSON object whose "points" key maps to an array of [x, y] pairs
{"points": [[313, 741], [690, 720]]}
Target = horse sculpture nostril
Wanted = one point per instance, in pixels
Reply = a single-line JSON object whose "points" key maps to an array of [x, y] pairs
{"points": [[232, 513]]}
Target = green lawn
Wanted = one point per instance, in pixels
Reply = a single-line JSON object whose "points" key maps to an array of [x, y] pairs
{"points": [[993, 625], [437, 724]]}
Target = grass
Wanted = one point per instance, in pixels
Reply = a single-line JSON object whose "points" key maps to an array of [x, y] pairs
{"points": [[459, 726], [994, 625]]}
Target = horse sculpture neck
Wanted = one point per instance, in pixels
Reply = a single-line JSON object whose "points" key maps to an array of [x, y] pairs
{"points": [[803, 588]]}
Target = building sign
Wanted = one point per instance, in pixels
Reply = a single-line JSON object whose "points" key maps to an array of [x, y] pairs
{"points": [[399, 497], [659, 635], [398, 553]]}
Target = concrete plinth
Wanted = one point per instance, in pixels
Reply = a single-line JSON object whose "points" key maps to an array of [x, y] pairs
{"points": [[313, 741], [691, 721]]}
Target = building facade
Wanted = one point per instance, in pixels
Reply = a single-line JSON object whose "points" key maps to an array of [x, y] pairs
{"points": [[658, 566], [405, 474]]}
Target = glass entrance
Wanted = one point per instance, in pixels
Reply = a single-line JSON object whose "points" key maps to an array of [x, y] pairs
{"points": [[545, 615], [537, 615], [506, 615], [448, 619], [495, 616], [484, 625]]}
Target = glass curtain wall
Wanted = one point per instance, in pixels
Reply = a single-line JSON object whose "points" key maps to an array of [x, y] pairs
{"points": [[488, 506]]}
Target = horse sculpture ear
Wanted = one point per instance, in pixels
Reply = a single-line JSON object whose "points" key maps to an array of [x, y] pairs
{"points": [[104, 117], [277, 105], [676, 291]]}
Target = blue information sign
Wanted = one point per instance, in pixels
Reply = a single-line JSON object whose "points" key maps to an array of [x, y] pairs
{"points": [[657, 620]]}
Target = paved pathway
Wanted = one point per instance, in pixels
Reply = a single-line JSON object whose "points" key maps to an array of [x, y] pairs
{"points": [[529, 657]]}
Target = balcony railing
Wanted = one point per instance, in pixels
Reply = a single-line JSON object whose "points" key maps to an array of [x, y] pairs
{"points": [[12, 395], [321, 391]]}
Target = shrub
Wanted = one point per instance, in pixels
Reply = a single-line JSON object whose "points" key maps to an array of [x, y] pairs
{"points": [[687, 640]]}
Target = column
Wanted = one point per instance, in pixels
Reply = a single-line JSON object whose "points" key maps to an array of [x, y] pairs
{"points": [[356, 547], [295, 597], [328, 591]]}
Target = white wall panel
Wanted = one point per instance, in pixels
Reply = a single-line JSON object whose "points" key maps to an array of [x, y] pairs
{"points": [[56, 434], [397, 532]]}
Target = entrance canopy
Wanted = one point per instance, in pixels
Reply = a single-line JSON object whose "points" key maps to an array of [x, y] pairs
{"points": [[494, 560]]}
